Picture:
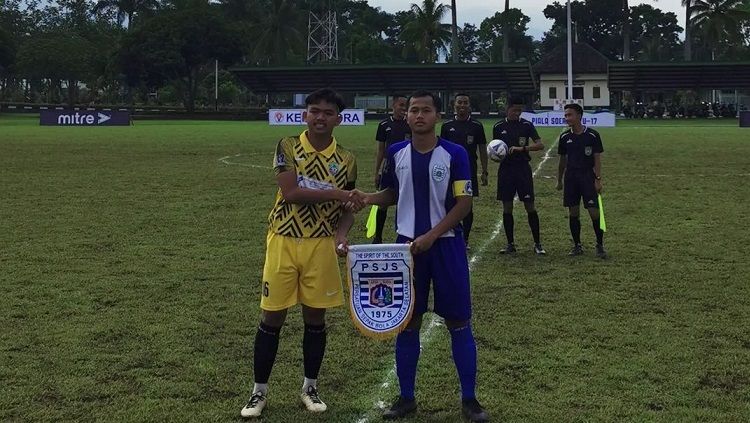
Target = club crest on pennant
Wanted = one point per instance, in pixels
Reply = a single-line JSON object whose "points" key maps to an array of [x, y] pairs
{"points": [[381, 298]]}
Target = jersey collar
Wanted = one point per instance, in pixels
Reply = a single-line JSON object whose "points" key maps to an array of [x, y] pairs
{"points": [[328, 152], [457, 119]]}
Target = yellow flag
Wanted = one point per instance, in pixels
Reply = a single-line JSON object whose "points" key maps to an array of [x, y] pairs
{"points": [[602, 222], [372, 221]]}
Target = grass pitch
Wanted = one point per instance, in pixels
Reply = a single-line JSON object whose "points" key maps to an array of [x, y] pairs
{"points": [[130, 263]]}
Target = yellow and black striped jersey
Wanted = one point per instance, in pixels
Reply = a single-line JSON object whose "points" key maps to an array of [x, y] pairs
{"points": [[332, 168]]}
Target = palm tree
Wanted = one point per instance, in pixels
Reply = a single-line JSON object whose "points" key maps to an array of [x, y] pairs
{"points": [[454, 33], [506, 36], [625, 31], [276, 34], [426, 33], [688, 47], [718, 20], [125, 9]]}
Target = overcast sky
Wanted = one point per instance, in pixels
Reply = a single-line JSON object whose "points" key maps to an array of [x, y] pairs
{"points": [[474, 11]]}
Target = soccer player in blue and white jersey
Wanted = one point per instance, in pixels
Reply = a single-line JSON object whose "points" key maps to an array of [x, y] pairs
{"points": [[429, 178]]}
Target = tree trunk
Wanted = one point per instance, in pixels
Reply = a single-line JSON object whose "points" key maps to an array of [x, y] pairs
{"points": [[625, 31], [506, 36], [71, 93], [191, 89], [454, 33], [688, 46]]}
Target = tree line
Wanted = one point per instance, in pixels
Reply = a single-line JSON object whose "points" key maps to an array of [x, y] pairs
{"points": [[164, 51]]}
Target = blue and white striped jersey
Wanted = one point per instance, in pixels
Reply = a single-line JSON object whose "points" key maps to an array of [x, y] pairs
{"points": [[427, 184]]}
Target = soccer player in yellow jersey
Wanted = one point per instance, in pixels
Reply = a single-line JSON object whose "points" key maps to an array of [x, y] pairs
{"points": [[307, 225]]}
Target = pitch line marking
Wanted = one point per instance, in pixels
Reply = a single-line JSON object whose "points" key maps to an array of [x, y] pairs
{"points": [[435, 321], [226, 161]]}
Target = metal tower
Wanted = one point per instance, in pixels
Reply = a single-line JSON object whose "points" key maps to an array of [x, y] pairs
{"points": [[322, 38]]}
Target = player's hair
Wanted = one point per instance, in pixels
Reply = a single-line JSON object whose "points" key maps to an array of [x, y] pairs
{"points": [[395, 97], [576, 107], [516, 101], [328, 95], [455, 96], [436, 102]]}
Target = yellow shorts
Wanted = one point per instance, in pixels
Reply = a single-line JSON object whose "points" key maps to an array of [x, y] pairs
{"points": [[300, 270]]}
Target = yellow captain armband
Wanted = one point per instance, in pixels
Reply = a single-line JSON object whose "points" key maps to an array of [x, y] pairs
{"points": [[462, 188]]}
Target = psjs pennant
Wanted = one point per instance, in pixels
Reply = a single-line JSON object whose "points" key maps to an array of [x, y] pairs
{"points": [[381, 294]]}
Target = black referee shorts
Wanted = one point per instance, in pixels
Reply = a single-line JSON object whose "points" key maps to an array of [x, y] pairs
{"points": [[580, 184], [515, 179]]}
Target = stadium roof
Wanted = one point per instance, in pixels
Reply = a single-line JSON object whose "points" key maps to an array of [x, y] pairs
{"points": [[485, 77], [679, 75], [586, 59]]}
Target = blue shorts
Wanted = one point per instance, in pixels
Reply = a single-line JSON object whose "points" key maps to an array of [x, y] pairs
{"points": [[446, 266]]}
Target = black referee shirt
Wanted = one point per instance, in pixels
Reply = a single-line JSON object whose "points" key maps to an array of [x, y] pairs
{"points": [[580, 148], [467, 133], [515, 133], [393, 130]]}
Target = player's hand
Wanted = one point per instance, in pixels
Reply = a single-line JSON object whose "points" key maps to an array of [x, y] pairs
{"points": [[354, 201], [515, 149], [421, 244], [598, 186], [559, 185], [484, 178], [342, 246]]}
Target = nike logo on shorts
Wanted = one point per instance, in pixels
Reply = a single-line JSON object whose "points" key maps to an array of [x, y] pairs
{"points": [[331, 293]]}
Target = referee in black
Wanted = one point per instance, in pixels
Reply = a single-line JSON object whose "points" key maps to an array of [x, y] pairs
{"points": [[469, 133], [580, 168], [514, 175], [390, 130]]}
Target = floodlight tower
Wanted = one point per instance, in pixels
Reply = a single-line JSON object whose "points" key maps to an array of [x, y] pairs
{"points": [[322, 34]]}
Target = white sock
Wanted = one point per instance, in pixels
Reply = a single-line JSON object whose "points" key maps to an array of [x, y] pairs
{"points": [[309, 382], [261, 387]]}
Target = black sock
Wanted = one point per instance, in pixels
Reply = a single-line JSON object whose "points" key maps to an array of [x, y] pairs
{"points": [[534, 225], [313, 349], [598, 231], [380, 218], [467, 223], [575, 229], [508, 225], [266, 345]]}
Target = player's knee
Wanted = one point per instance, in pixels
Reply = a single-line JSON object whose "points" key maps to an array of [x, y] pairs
{"points": [[274, 319], [415, 324], [507, 207], [530, 207], [593, 212], [313, 316]]}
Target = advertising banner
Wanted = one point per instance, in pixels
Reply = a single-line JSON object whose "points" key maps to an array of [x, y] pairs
{"points": [[294, 117], [84, 118], [603, 119]]}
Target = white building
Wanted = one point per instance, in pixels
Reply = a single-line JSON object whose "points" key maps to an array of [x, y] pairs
{"points": [[590, 76]]}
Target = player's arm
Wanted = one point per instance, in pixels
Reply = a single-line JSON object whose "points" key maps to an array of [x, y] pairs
{"points": [[598, 150], [293, 193], [389, 195], [562, 151], [561, 170], [380, 138], [342, 231], [537, 144], [450, 221], [483, 154], [383, 198], [598, 172], [379, 161]]}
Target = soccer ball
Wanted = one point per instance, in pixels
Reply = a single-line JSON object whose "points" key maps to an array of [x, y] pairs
{"points": [[497, 150]]}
